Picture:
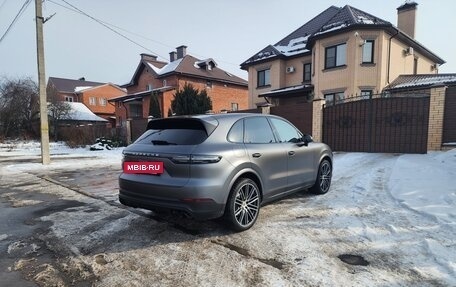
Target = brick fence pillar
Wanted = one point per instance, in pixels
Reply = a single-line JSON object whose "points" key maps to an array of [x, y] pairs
{"points": [[436, 112], [317, 119], [266, 110], [128, 140]]}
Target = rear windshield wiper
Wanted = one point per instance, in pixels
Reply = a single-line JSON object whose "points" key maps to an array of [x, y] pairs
{"points": [[160, 142]]}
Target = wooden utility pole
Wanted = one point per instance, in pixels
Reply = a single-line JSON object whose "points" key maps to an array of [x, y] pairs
{"points": [[45, 157]]}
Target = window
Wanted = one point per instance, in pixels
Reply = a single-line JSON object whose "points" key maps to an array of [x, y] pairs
{"points": [[236, 134], [366, 94], [307, 72], [92, 101], [149, 87], [334, 98], [135, 110], [68, 99], [336, 56], [209, 84], [415, 66], [174, 132], [119, 104], [368, 52], [234, 106], [286, 132], [164, 83], [264, 78], [102, 102], [258, 130]]}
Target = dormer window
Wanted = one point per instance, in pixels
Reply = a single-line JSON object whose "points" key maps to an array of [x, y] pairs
{"points": [[207, 64]]}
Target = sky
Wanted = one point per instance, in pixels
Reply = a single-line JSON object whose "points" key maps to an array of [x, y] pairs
{"points": [[229, 31]]}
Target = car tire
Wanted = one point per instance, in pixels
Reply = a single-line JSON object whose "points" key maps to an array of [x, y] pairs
{"points": [[243, 204], [323, 181]]}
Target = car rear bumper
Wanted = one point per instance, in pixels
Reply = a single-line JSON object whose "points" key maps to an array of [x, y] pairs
{"points": [[198, 202]]}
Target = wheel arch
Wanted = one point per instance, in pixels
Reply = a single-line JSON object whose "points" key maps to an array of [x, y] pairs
{"points": [[246, 173]]}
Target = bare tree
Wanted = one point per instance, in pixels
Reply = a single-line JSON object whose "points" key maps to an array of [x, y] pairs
{"points": [[58, 110], [18, 107]]}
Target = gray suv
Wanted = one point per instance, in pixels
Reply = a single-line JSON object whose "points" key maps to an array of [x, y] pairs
{"points": [[210, 166]]}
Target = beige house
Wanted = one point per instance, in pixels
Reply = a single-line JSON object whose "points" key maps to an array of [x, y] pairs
{"points": [[341, 53]]}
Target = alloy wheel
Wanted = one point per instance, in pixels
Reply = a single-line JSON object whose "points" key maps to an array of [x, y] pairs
{"points": [[325, 176], [246, 204]]}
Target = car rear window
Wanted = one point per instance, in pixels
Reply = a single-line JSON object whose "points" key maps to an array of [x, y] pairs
{"points": [[174, 132]]}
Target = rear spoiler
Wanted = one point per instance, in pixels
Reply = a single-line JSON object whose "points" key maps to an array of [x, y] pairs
{"points": [[208, 124]]}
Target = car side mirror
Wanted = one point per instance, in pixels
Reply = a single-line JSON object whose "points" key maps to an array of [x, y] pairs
{"points": [[305, 140]]}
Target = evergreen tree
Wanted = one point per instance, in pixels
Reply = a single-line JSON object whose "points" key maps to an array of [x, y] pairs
{"points": [[190, 101], [154, 107]]}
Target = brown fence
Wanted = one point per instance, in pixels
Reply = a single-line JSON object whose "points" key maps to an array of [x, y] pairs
{"points": [[449, 119], [87, 134], [393, 125], [300, 115], [254, 111], [138, 127]]}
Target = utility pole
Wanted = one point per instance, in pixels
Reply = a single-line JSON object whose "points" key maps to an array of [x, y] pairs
{"points": [[45, 157]]}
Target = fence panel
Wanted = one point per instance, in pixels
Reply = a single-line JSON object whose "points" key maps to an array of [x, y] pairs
{"points": [[449, 118], [300, 115], [138, 127], [392, 125]]}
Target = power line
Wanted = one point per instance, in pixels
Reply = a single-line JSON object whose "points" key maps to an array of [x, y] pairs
{"points": [[104, 23], [106, 26], [18, 15], [117, 27]]}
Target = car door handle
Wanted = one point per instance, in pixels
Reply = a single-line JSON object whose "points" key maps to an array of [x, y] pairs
{"points": [[291, 152], [256, 154]]}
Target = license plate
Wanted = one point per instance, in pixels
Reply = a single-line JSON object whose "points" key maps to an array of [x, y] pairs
{"points": [[143, 167]]}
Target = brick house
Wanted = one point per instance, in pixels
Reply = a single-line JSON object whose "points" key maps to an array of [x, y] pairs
{"points": [[340, 53], [154, 78], [94, 95]]}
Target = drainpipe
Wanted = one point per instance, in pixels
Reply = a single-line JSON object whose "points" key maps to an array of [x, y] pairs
{"points": [[389, 56]]}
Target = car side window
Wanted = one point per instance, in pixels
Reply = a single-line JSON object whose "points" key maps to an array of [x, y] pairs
{"points": [[258, 130], [286, 132], [236, 133]]}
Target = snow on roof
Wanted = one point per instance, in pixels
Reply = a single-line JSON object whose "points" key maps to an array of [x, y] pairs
{"points": [[438, 79], [168, 68], [79, 112], [295, 46], [331, 27], [79, 89]]}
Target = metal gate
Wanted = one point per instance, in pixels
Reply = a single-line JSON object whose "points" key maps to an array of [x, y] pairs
{"points": [[396, 124]]}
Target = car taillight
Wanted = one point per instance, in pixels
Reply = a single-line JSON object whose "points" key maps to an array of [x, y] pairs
{"points": [[196, 159]]}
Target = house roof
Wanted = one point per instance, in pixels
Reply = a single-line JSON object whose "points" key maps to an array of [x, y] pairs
{"points": [[331, 21], [81, 89], [190, 66], [71, 86], [288, 91], [80, 112], [411, 82], [139, 95]]}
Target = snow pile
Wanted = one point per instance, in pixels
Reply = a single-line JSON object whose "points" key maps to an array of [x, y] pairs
{"points": [[427, 184]]}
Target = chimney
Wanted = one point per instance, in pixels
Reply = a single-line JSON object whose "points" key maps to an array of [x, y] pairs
{"points": [[172, 56], [181, 51], [148, 57], [406, 18]]}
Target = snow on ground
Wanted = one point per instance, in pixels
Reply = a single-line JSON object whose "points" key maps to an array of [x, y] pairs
{"points": [[427, 184], [396, 211]]}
